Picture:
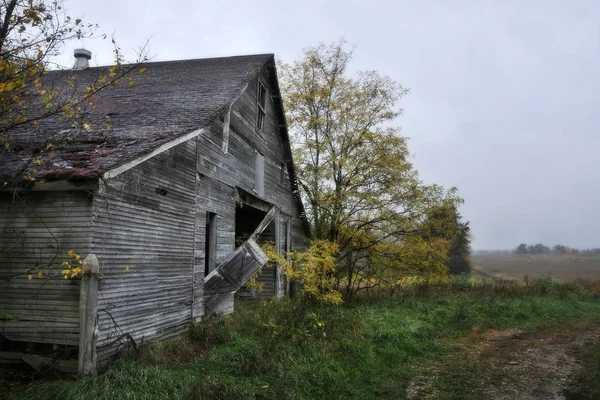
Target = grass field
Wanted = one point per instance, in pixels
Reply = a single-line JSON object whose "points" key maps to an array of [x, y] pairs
{"points": [[566, 267], [366, 349]]}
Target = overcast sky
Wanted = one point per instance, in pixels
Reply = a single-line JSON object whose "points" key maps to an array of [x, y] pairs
{"points": [[504, 94]]}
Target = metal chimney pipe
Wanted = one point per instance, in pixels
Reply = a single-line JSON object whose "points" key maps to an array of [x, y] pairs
{"points": [[81, 59]]}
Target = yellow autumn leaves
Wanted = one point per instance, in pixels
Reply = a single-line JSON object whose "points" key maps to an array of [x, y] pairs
{"points": [[73, 268], [37, 271], [8, 87], [35, 33], [314, 268], [35, 160]]}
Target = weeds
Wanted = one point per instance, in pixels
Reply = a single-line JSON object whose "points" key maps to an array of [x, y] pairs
{"points": [[177, 352], [213, 331], [542, 286], [362, 349], [587, 383]]}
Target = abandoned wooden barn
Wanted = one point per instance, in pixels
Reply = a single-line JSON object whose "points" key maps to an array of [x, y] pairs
{"points": [[196, 158]]}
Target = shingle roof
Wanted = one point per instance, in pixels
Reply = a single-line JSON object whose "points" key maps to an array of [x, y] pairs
{"points": [[167, 101]]}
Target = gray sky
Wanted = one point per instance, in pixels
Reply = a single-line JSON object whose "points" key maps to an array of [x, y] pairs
{"points": [[503, 93]]}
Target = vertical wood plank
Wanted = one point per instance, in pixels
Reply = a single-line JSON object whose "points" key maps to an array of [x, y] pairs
{"points": [[88, 316]]}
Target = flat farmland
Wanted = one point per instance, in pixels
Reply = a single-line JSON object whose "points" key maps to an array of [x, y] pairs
{"points": [[566, 267]]}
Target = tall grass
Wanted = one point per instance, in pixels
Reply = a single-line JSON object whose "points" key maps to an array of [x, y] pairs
{"points": [[363, 349], [586, 385], [541, 286]]}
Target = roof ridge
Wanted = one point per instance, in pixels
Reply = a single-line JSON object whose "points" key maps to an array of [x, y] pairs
{"points": [[167, 62]]}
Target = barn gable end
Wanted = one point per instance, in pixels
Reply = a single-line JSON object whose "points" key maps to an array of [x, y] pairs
{"points": [[176, 197]]}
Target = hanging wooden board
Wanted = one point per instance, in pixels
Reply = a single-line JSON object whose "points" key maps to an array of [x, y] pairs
{"points": [[233, 273]]}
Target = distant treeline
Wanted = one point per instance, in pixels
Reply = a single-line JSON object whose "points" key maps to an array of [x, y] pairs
{"points": [[539, 248]]}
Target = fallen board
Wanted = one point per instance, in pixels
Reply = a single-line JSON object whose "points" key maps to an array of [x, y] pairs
{"points": [[237, 269]]}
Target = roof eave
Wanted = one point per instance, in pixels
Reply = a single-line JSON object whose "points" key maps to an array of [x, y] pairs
{"points": [[45, 185], [287, 146]]}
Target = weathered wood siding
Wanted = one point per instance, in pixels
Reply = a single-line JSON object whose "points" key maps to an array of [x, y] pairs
{"points": [[40, 228], [246, 139], [151, 221], [212, 196], [220, 173], [144, 219], [271, 278]]}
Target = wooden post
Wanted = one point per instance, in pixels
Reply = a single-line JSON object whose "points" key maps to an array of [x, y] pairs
{"points": [[88, 316]]}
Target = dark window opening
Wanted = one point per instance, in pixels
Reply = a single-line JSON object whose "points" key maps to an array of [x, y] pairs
{"points": [[210, 249], [283, 239], [283, 177], [247, 219], [261, 99]]}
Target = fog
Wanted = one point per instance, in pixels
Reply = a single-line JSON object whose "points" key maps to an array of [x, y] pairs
{"points": [[503, 94]]}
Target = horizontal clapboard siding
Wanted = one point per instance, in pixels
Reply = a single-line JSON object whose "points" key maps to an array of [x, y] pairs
{"points": [[217, 197], [144, 219], [151, 221], [245, 140], [237, 166], [267, 279], [41, 227], [222, 172]]}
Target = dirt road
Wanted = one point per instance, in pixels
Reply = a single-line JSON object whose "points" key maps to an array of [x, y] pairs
{"points": [[507, 365]]}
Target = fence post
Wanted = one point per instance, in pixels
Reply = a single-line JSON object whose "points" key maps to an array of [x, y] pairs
{"points": [[88, 316]]}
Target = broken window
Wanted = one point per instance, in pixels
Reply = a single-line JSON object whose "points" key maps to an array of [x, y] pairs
{"points": [[283, 174], [261, 99], [283, 239]]}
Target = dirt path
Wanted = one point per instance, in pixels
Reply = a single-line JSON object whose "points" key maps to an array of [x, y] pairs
{"points": [[507, 365]]}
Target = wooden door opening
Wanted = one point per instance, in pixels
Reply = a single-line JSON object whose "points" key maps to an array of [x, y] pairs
{"points": [[247, 219]]}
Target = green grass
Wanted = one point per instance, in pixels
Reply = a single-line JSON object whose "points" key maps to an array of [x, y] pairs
{"points": [[365, 349]]}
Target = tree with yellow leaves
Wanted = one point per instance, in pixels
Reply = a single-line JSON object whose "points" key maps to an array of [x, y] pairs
{"points": [[362, 192], [32, 34]]}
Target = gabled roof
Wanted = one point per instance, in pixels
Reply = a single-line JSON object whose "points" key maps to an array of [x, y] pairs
{"points": [[168, 101]]}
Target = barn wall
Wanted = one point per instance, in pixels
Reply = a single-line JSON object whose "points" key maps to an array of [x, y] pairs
{"points": [[246, 139], [147, 228], [40, 228], [221, 172], [144, 219], [267, 277], [219, 198], [162, 238]]}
